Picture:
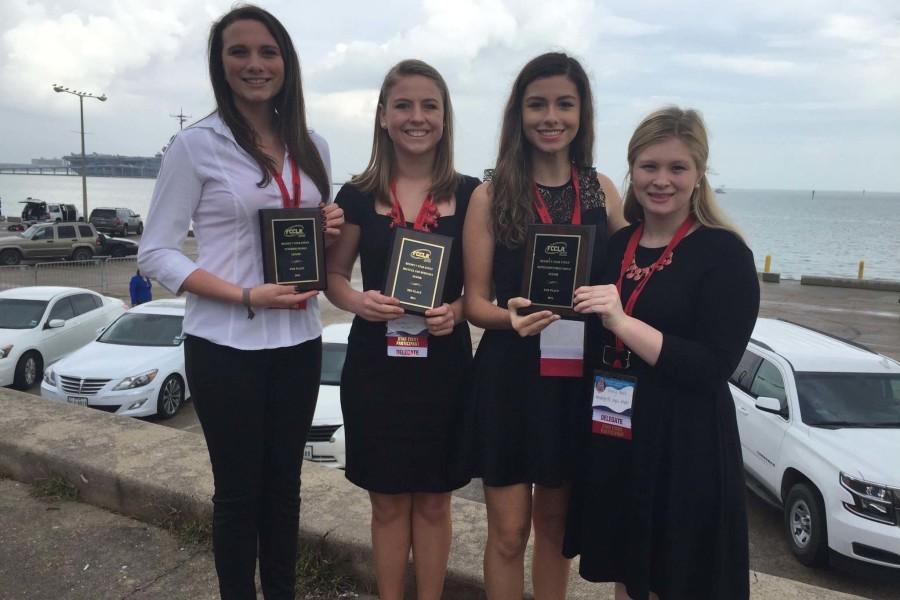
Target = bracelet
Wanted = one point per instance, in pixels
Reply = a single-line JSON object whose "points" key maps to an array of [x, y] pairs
{"points": [[245, 299]]}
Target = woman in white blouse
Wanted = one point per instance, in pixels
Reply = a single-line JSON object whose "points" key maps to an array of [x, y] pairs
{"points": [[253, 372]]}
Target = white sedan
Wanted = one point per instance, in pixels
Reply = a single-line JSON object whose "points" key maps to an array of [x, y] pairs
{"points": [[135, 368], [41, 324], [325, 443]]}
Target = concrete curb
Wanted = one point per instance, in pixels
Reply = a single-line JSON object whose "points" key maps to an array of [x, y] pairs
{"points": [[152, 473], [881, 285]]}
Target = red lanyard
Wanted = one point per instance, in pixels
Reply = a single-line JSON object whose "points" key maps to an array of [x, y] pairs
{"points": [[426, 219], [541, 207], [286, 200], [630, 251]]}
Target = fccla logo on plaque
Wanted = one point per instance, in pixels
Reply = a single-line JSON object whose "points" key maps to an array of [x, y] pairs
{"points": [[557, 248], [422, 254], [294, 231]]}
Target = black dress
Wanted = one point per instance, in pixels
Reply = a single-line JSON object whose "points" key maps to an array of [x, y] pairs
{"points": [[665, 511], [405, 418], [526, 424]]}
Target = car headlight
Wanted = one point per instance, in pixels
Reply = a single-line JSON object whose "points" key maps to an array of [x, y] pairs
{"points": [[136, 381], [50, 377], [871, 500], [5, 350]]}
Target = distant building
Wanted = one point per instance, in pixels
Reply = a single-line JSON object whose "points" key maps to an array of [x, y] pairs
{"points": [[116, 165], [48, 162]]}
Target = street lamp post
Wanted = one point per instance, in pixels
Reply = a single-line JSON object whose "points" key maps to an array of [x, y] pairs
{"points": [[81, 96]]}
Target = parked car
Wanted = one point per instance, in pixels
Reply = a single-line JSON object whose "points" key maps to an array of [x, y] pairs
{"points": [[819, 421], [325, 443], [36, 211], [41, 324], [134, 368], [117, 221], [116, 247], [50, 241]]}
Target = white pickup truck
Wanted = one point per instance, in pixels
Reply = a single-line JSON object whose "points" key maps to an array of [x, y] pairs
{"points": [[819, 419]]}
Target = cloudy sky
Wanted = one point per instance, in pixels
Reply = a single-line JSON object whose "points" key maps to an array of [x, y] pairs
{"points": [[797, 94]]}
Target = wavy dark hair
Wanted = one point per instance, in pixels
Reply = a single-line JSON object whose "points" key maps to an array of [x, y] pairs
{"points": [[290, 110], [376, 178], [512, 179]]}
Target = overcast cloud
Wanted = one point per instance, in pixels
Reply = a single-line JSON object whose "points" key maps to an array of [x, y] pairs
{"points": [[798, 94]]}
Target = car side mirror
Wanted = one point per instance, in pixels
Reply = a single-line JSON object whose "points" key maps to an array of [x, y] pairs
{"points": [[769, 405], [55, 323]]}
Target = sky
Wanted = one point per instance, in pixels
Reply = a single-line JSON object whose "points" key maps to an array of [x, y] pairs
{"points": [[797, 94]]}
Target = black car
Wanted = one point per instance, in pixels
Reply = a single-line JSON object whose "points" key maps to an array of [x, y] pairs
{"points": [[116, 247]]}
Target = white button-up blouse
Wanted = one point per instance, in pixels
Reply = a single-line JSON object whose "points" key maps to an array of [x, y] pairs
{"points": [[207, 179]]}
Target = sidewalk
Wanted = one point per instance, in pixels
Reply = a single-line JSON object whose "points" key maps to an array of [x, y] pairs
{"points": [[148, 472]]}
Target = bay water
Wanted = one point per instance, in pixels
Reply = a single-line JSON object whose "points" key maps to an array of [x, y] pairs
{"points": [[822, 233]]}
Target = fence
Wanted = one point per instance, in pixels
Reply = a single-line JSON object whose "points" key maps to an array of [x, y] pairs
{"points": [[103, 275]]}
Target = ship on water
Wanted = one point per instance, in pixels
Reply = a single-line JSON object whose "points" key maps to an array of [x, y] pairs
{"points": [[115, 165]]}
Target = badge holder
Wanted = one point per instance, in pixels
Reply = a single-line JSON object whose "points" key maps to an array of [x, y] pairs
{"points": [[407, 337], [612, 404]]}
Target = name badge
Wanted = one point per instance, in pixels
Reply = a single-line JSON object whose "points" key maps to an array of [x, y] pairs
{"points": [[562, 349], [407, 337], [612, 404]]}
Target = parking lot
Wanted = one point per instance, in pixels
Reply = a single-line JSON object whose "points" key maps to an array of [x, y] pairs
{"points": [[868, 317]]}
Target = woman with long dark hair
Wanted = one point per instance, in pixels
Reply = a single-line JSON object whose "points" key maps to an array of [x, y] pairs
{"points": [[404, 412], [527, 415], [253, 372]]}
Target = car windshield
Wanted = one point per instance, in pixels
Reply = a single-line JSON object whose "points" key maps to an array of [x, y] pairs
{"points": [[21, 314], [29, 233], [849, 399], [333, 363], [144, 329]]}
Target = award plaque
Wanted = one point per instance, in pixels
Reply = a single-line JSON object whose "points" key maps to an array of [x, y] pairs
{"points": [[557, 262], [418, 269], [293, 247]]}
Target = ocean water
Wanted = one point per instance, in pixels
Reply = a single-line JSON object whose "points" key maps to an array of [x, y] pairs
{"points": [[826, 233]]}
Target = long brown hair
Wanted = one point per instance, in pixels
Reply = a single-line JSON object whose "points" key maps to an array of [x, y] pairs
{"points": [[685, 125], [376, 178], [512, 178], [290, 110]]}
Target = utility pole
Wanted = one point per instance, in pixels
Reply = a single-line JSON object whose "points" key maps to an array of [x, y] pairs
{"points": [[181, 118]]}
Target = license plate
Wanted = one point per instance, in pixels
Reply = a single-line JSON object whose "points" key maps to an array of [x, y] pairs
{"points": [[77, 400], [307, 452]]}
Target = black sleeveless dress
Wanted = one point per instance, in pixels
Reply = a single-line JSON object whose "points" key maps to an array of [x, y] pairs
{"points": [[405, 419], [526, 424], [665, 511]]}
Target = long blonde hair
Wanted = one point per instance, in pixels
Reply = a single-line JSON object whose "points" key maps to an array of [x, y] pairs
{"points": [[685, 125], [376, 178]]}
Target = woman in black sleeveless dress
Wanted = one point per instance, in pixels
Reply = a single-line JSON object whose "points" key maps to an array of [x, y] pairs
{"points": [[526, 423], [405, 417]]}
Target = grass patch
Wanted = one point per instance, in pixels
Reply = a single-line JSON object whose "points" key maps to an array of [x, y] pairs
{"points": [[321, 575], [54, 487], [187, 530]]}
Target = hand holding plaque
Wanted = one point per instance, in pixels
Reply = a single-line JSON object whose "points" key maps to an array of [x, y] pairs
{"points": [[557, 262], [418, 269], [293, 247]]}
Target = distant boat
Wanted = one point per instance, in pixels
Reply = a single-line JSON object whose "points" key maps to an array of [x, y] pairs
{"points": [[720, 189]]}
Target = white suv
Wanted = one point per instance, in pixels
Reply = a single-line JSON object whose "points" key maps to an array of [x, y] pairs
{"points": [[819, 420]]}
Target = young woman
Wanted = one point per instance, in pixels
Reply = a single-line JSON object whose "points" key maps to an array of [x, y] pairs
{"points": [[659, 504], [253, 372], [526, 421], [404, 416]]}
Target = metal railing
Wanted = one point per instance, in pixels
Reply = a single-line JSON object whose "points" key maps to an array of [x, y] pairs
{"points": [[99, 274]]}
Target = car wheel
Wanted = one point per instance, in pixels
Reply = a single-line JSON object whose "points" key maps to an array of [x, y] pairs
{"points": [[10, 257], [82, 254], [171, 397], [140, 229], [28, 370], [804, 523], [124, 230], [117, 252]]}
